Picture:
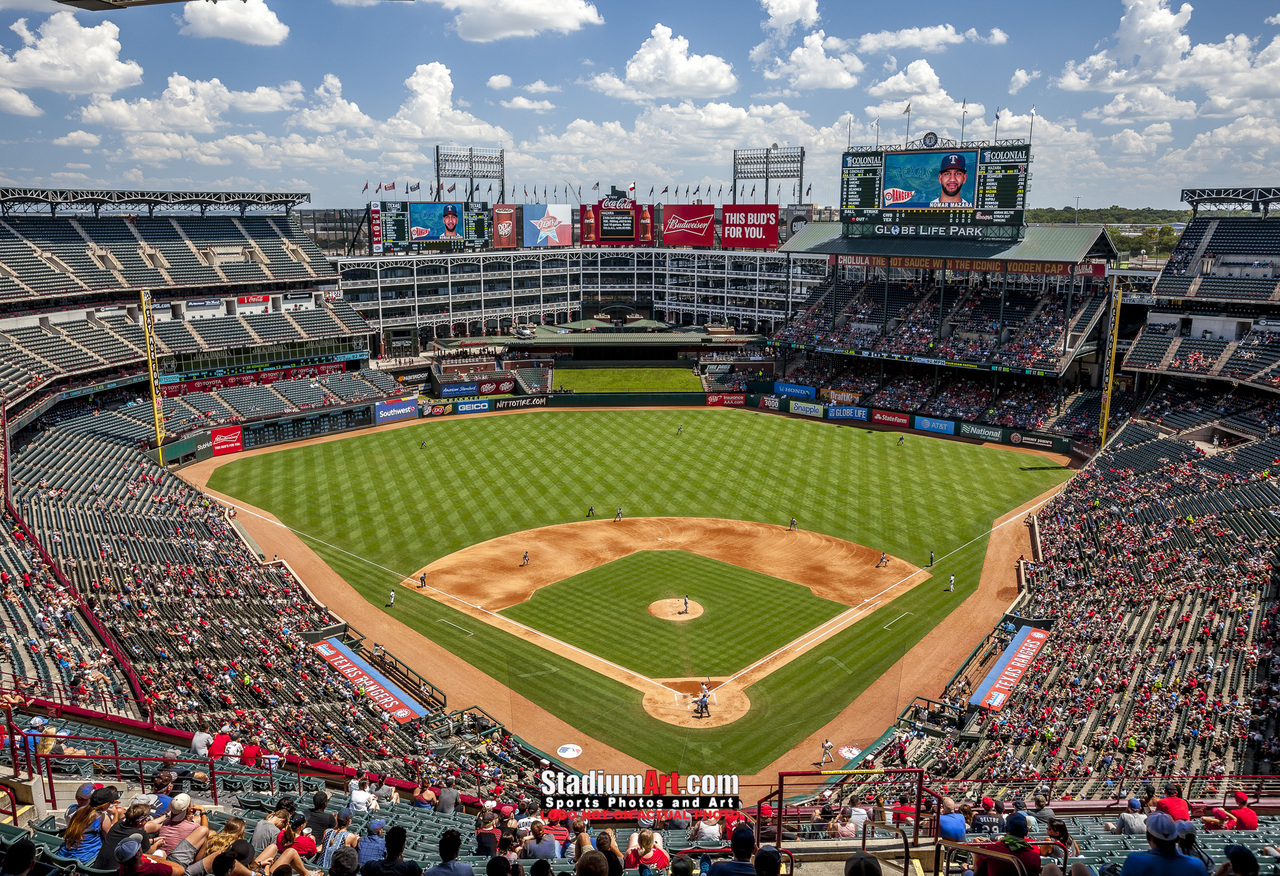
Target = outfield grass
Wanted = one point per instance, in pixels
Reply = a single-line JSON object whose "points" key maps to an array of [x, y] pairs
{"points": [[714, 643], [628, 379], [395, 508]]}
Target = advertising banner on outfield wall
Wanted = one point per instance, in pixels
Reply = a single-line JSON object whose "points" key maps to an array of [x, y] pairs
{"points": [[838, 396], [805, 409], [453, 390], [890, 418], [1031, 439], [227, 439], [767, 403], [981, 432], [1017, 658], [847, 412], [473, 407], [721, 399], [495, 387], [395, 409], [385, 694], [515, 404], [442, 410], [933, 424], [795, 390]]}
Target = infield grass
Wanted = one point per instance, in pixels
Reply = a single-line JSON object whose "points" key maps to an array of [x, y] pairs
{"points": [[722, 640], [376, 508], [628, 379]]}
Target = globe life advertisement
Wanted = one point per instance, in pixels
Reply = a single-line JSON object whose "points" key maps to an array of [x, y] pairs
{"points": [[596, 791]]}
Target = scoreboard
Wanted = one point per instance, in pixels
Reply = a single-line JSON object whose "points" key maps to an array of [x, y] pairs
{"points": [[967, 192], [427, 226]]}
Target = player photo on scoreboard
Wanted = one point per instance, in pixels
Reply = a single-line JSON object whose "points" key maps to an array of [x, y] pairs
{"points": [[934, 180]]}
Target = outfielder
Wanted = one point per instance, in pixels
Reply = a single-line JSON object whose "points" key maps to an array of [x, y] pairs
{"points": [[617, 516]]}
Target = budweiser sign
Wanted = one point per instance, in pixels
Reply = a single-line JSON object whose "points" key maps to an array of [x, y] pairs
{"points": [[680, 223], [688, 225], [227, 439]]}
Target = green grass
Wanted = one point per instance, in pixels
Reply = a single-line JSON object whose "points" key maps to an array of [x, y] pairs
{"points": [[628, 380], [376, 508], [710, 644]]}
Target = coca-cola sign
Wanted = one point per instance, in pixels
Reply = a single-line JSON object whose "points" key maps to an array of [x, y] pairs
{"points": [[688, 225], [617, 222], [617, 204]]}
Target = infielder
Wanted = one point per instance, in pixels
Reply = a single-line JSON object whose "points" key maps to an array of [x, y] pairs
{"points": [[686, 606], [617, 516], [591, 511], [952, 585], [391, 600], [792, 527], [826, 752], [526, 559]]}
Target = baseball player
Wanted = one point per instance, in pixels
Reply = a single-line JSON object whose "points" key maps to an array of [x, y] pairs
{"points": [[883, 561], [826, 752], [591, 511], [705, 689], [952, 585], [792, 527], [617, 516], [679, 430], [930, 558], [901, 438], [526, 559], [391, 600], [422, 581], [686, 606]]}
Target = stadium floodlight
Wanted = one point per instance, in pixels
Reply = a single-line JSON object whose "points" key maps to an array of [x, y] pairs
{"points": [[471, 163], [774, 163]]}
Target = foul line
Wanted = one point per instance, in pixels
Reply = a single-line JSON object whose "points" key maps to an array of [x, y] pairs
{"points": [[896, 619], [837, 624], [409, 579], [455, 626]]}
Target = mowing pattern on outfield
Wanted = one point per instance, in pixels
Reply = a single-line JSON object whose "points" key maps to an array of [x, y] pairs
{"points": [[628, 379], [379, 499], [729, 635]]}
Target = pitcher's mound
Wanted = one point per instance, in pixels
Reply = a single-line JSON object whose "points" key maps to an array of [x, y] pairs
{"points": [[673, 609]]}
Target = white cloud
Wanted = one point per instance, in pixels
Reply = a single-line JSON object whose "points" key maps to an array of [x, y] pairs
{"points": [[917, 84], [663, 67], [1272, 19], [1130, 142], [249, 21], [520, 102], [429, 112], [16, 103], [934, 38], [188, 105], [499, 81], [330, 111], [1021, 79], [483, 21], [540, 87], [784, 15], [1145, 103], [809, 65], [62, 56], [82, 139]]}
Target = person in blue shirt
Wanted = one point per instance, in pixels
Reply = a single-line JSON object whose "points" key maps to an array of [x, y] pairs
{"points": [[1163, 858], [951, 824]]}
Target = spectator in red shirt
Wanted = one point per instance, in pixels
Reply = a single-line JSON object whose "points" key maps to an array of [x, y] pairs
{"points": [[1172, 804], [904, 813], [249, 756], [1240, 818], [1014, 842]]}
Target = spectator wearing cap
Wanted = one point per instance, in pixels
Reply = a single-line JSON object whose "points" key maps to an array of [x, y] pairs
{"points": [[988, 820], [346, 862], [1188, 846], [742, 842], [1172, 804], [393, 864], [31, 736], [1014, 842], [19, 859], [1240, 818], [904, 813], [449, 798], [1163, 858], [132, 860], [1240, 860], [951, 824], [82, 797], [133, 821], [88, 826], [1033, 823], [862, 864], [450, 845], [183, 829], [372, 846], [317, 818], [339, 837], [1131, 823]]}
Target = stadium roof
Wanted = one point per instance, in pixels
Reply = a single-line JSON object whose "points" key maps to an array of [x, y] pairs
{"points": [[118, 200], [1260, 199], [1071, 244]]}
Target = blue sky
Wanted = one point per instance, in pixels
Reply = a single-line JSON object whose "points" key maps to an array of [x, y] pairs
{"points": [[1133, 99]]}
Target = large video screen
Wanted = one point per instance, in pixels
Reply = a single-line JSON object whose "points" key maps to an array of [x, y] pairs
{"points": [[428, 226], [971, 192]]}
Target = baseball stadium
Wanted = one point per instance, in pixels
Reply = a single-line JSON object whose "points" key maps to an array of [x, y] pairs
{"points": [[904, 537]]}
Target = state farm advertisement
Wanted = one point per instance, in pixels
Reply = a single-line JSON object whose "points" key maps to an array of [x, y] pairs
{"points": [[892, 418], [749, 226], [227, 439], [689, 225]]}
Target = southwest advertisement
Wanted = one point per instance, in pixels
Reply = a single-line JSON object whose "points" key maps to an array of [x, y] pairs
{"points": [[395, 409]]}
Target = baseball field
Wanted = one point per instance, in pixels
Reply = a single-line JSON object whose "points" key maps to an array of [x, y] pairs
{"points": [[789, 626], [628, 379]]}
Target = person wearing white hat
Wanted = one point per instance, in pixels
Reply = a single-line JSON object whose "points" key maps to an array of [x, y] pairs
{"points": [[183, 828]]}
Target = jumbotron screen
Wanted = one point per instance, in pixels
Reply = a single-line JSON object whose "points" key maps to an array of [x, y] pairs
{"points": [[969, 192], [428, 226]]}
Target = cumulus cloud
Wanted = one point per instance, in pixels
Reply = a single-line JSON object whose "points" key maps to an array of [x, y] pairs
{"points": [[782, 18], [1272, 19], [81, 139], [1148, 142], [1021, 79], [520, 102], [499, 81], [430, 112], [188, 105], [62, 56], [1145, 103], [809, 66], [330, 111], [16, 103], [918, 84], [483, 21], [540, 87], [934, 38], [663, 67], [250, 21]]}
